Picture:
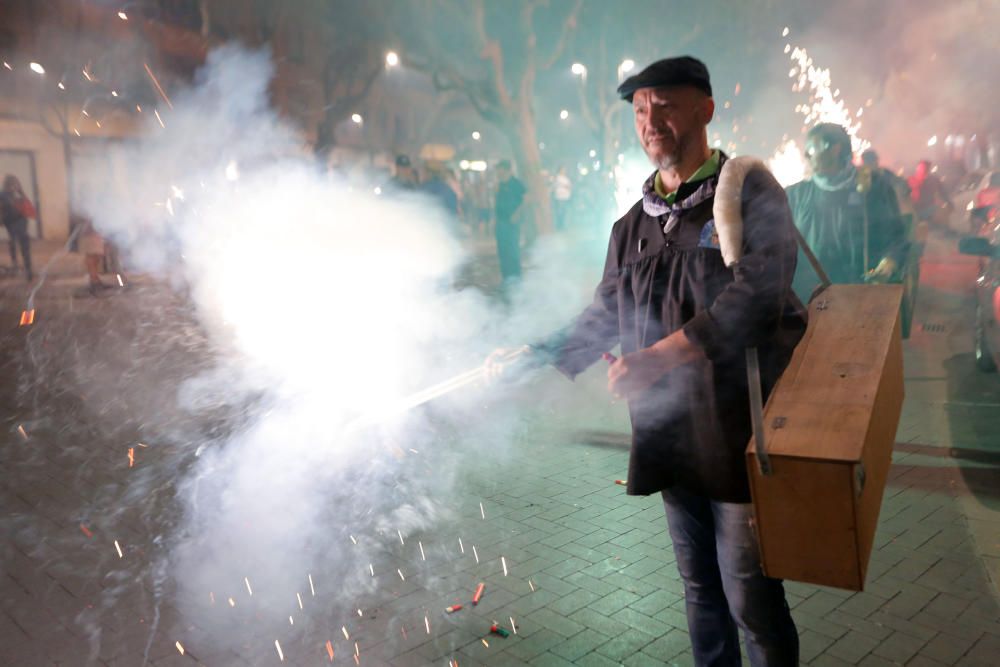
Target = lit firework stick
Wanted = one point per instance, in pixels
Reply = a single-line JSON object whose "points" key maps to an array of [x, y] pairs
{"points": [[480, 373], [329, 649], [453, 608], [479, 593], [27, 317]]}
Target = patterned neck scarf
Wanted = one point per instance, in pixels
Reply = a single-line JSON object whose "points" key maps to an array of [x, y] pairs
{"points": [[656, 206]]}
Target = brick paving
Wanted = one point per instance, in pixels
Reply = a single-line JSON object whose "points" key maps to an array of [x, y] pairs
{"points": [[591, 578]]}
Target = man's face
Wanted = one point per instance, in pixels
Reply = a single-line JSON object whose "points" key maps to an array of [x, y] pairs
{"points": [[503, 173], [670, 122], [824, 155]]}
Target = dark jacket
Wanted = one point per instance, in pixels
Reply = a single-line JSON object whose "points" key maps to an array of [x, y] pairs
{"points": [[691, 429], [832, 223]]}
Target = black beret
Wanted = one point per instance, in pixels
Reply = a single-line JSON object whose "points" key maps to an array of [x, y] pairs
{"points": [[680, 71]]}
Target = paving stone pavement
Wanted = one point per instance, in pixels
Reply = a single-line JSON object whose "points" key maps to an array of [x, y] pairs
{"points": [[590, 578]]}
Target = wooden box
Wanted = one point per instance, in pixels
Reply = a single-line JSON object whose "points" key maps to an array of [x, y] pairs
{"points": [[829, 427]]}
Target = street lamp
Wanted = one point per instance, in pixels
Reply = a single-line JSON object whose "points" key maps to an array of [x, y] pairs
{"points": [[476, 135], [356, 118], [626, 66], [579, 70], [391, 59], [563, 115]]}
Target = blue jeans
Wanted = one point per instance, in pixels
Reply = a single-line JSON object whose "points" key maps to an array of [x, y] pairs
{"points": [[724, 587]]}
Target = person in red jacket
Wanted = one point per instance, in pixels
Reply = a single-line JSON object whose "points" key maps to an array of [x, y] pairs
{"points": [[15, 210]]}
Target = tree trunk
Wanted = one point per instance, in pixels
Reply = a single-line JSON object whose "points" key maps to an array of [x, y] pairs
{"points": [[522, 134]]}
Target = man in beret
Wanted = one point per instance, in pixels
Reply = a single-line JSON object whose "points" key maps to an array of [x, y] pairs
{"points": [[683, 320]]}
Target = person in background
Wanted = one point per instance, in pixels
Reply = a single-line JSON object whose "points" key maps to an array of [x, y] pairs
{"points": [[870, 160], [928, 194], [562, 192], [848, 217], [92, 246], [437, 186], [509, 200], [406, 176], [16, 209]]}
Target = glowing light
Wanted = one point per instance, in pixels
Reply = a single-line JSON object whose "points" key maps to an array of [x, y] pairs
{"points": [[36, 68], [564, 114], [114, 93], [784, 33], [627, 65], [180, 648], [124, 17], [27, 317], [119, 550], [478, 165], [932, 141], [391, 59], [312, 588], [476, 136], [61, 86], [281, 656], [578, 69], [592, 153], [503, 561], [788, 164], [482, 511], [232, 171], [7, 65], [158, 119], [377, 190]]}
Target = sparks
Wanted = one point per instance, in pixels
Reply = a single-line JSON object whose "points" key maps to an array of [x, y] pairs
{"points": [[27, 317], [485, 643], [247, 581], [400, 574], [823, 105], [232, 602], [36, 68], [311, 587], [131, 456], [281, 656], [299, 598], [291, 621], [123, 16], [20, 429], [371, 569], [427, 624], [400, 537], [357, 651], [86, 531], [156, 83], [160, 120], [119, 550], [343, 629], [475, 553], [421, 545], [180, 647], [512, 626], [482, 512], [402, 629], [61, 86], [211, 596], [86, 74], [329, 649], [460, 545], [352, 539], [531, 585], [121, 283], [503, 561], [360, 614]]}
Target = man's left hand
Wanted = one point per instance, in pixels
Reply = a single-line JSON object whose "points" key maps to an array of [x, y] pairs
{"points": [[638, 371], [884, 271]]}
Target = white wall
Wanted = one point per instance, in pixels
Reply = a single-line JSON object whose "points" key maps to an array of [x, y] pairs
{"points": [[50, 172]]}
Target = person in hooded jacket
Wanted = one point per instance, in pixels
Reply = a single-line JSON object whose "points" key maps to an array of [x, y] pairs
{"points": [[683, 319], [850, 218]]}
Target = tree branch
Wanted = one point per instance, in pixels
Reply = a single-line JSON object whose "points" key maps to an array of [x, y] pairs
{"points": [[569, 25]]}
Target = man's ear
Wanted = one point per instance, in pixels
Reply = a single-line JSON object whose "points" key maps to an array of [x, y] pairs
{"points": [[707, 110]]}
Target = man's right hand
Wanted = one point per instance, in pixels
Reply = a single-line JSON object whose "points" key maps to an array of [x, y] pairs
{"points": [[500, 360]]}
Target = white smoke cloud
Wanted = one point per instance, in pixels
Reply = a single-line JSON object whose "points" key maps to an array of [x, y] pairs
{"points": [[324, 303]]}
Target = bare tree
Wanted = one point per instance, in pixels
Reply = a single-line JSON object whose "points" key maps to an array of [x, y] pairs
{"points": [[491, 55]]}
